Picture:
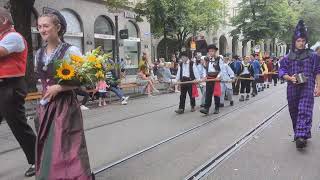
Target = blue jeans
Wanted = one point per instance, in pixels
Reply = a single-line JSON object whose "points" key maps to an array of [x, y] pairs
{"points": [[117, 91]]}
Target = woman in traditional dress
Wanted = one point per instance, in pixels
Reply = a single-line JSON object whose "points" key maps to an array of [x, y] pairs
{"points": [[61, 151]]}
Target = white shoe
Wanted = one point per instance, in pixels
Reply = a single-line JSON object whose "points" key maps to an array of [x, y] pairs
{"points": [[126, 98], [124, 102], [82, 107]]}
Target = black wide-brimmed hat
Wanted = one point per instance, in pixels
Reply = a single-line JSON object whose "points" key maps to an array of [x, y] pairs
{"points": [[212, 46]]}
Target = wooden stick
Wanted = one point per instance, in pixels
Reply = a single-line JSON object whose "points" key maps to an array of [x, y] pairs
{"points": [[215, 80]]}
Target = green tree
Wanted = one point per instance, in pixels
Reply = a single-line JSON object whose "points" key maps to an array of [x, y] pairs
{"points": [[264, 19], [179, 19]]}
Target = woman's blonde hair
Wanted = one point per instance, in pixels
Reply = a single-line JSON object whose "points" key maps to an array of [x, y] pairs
{"points": [[56, 22]]}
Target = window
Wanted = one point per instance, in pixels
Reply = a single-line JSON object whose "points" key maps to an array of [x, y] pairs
{"points": [[74, 34], [103, 34], [132, 46]]}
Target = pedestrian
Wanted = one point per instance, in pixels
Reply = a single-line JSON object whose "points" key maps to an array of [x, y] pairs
{"points": [[264, 73], [13, 89], [61, 145], [213, 68], [275, 69], [246, 73], [187, 71], [302, 71], [227, 75]]}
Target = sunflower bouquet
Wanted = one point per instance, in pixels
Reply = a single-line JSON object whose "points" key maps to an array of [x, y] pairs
{"points": [[82, 70]]}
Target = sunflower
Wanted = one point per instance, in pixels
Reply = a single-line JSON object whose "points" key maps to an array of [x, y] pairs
{"points": [[98, 65], [76, 59], [65, 72], [99, 75], [92, 58]]}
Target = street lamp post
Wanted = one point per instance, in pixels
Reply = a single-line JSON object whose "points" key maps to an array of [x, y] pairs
{"points": [[117, 59]]}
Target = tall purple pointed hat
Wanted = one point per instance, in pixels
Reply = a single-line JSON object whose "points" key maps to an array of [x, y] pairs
{"points": [[300, 32]]}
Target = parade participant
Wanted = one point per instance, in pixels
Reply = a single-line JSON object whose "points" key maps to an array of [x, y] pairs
{"points": [[13, 89], [61, 151], [275, 69], [256, 71], [270, 71], [235, 66], [264, 72], [187, 71], [203, 75], [213, 67], [226, 87], [246, 72], [301, 68]]}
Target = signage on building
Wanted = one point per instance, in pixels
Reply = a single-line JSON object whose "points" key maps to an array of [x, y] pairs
{"points": [[124, 34], [104, 36], [133, 39], [73, 34], [129, 15]]}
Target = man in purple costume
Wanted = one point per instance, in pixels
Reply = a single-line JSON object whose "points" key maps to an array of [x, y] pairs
{"points": [[300, 94]]}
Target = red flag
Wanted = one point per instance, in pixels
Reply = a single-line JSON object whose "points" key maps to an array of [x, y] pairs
{"points": [[217, 89], [195, 92]]}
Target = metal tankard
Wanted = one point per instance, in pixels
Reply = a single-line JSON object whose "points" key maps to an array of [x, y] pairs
{"points": [[301, 78]]}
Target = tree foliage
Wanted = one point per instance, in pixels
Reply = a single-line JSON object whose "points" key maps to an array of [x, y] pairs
{"points": [[180, 18], [263, 19]]}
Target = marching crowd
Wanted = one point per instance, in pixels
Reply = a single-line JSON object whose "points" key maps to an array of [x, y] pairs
{"points": [[222, 77]]}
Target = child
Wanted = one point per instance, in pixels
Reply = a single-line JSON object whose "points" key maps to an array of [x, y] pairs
{"points": [[101, 88]]}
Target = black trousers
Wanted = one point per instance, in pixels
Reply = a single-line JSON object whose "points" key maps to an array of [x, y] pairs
{"points": [[254, 87], [209, 94], [186, 88], [236, 87], [13, 92], [245, 84], [83, 93], [275, 78]]}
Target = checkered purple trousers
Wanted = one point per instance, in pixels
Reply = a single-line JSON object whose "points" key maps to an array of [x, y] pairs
{"points": [[300, 97]]}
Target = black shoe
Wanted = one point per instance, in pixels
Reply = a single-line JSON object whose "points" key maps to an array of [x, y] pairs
{"points": [[179, 111], [216, 111], [247, 97], [268, 86], [31, 171], [231, 103], [202, 105], [221, 105], [204, 111], [193, 109], [253, 95], [301, 143], [241, 98], [225, 98]]}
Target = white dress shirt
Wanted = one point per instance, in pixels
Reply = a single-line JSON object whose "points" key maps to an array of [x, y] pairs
{"points": [[186, 72]]}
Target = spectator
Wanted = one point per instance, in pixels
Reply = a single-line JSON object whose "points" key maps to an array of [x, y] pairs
{"points": [[101, 88], [113, 84], [144, 80], [85, 95], [174, 65], [166, 76]]}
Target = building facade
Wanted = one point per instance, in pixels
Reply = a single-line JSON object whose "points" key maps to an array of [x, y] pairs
{"points": [[91, 24]]}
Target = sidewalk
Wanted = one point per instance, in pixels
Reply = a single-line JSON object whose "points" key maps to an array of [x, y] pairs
{"points": [[272, 155]]}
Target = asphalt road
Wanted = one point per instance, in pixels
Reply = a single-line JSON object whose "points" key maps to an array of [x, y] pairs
{"points": [[116, 131]]}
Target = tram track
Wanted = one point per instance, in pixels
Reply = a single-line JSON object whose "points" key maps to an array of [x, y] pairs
{"points": [[172, 138], [157, 144], [209, 166]]}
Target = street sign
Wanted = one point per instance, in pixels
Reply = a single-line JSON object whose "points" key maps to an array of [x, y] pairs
{"points": [[124, 34], [193, 46]]}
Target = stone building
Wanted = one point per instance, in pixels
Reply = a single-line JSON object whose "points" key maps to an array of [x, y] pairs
{"points": [[91, 24]]}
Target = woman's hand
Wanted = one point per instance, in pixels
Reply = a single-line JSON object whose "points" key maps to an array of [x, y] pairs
{"points": [[52, 91]]}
